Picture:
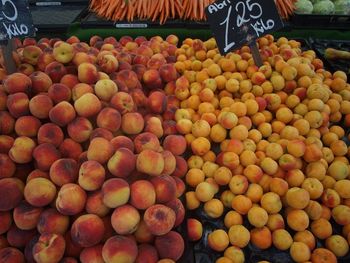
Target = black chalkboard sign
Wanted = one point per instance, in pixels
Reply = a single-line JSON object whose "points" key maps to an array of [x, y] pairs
{"points": [[239, 22], [15, 19]]}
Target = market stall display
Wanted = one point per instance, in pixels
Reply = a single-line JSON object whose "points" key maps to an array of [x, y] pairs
{"points": [[159, 148]]}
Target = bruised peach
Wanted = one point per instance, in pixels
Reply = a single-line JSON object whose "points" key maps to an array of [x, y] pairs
{"points": [[160, 219]]}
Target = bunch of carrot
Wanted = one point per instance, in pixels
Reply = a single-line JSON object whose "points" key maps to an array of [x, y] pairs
{"points": [[161, 10], [285, 8]]}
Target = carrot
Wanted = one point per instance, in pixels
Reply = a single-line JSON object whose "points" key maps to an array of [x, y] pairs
{"points": [[195, 9], [172, 8], [201, 10], [166, 2], [179, 8]]}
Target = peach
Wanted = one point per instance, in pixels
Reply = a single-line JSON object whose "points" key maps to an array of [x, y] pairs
{"points": [[271, 202], [27, 126], [80, 89], [297, 198], [87, 105], [297, 220], [45, 59], [123, 102], [170, 245], [70, 149], [17, 82], [70, 80], [40, 106], [146, 253], [159, 219], [39, 192], [338, 245], [341, 214], [72, 249], [87, 73], [125, 219], [64, 171], [7, 122], [19, 238], [55, 70], [6, 143], [150, 162], [181, 167], [91, 175], [165, 188], [62, 113], [214, 208], [323, 255], [94, 204], [91, 254], [109, 119], [26, 216], [175, 144], [287, 162], [108, 63], [71, 199], [7, 166], [100, 150], [11, 255], [59, 92], [120, 248], [145, 141], [52, 221], [6, 222], [116, 192], [157, 102], [233, 218], [31, 54], [49, 248], [45, 155], [142, 194], [18, 104], [154, 125], [132, 123], [122, 163], [50, 133], [87, 230], [122, 142], [142, 233], [261, 237], [80, 129]]}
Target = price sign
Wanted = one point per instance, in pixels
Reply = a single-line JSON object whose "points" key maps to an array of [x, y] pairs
{"points": [[15, 19], [240, 22]]}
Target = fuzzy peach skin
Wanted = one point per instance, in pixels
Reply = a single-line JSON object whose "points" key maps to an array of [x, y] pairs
{"points": [[87, 230], [71, 199], [119, 249], [115, 192], [49, 248], [159, 219]]}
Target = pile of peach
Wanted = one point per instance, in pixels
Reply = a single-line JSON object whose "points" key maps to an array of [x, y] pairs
{"points": [[90, 163], [266, 146]]}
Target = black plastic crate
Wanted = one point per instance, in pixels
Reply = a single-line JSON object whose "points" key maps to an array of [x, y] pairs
{"points": [[320, 45], [321, 21]]}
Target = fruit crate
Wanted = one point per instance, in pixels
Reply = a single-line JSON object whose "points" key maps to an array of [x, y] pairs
{"points": [[320, 45], [312, 21]]}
